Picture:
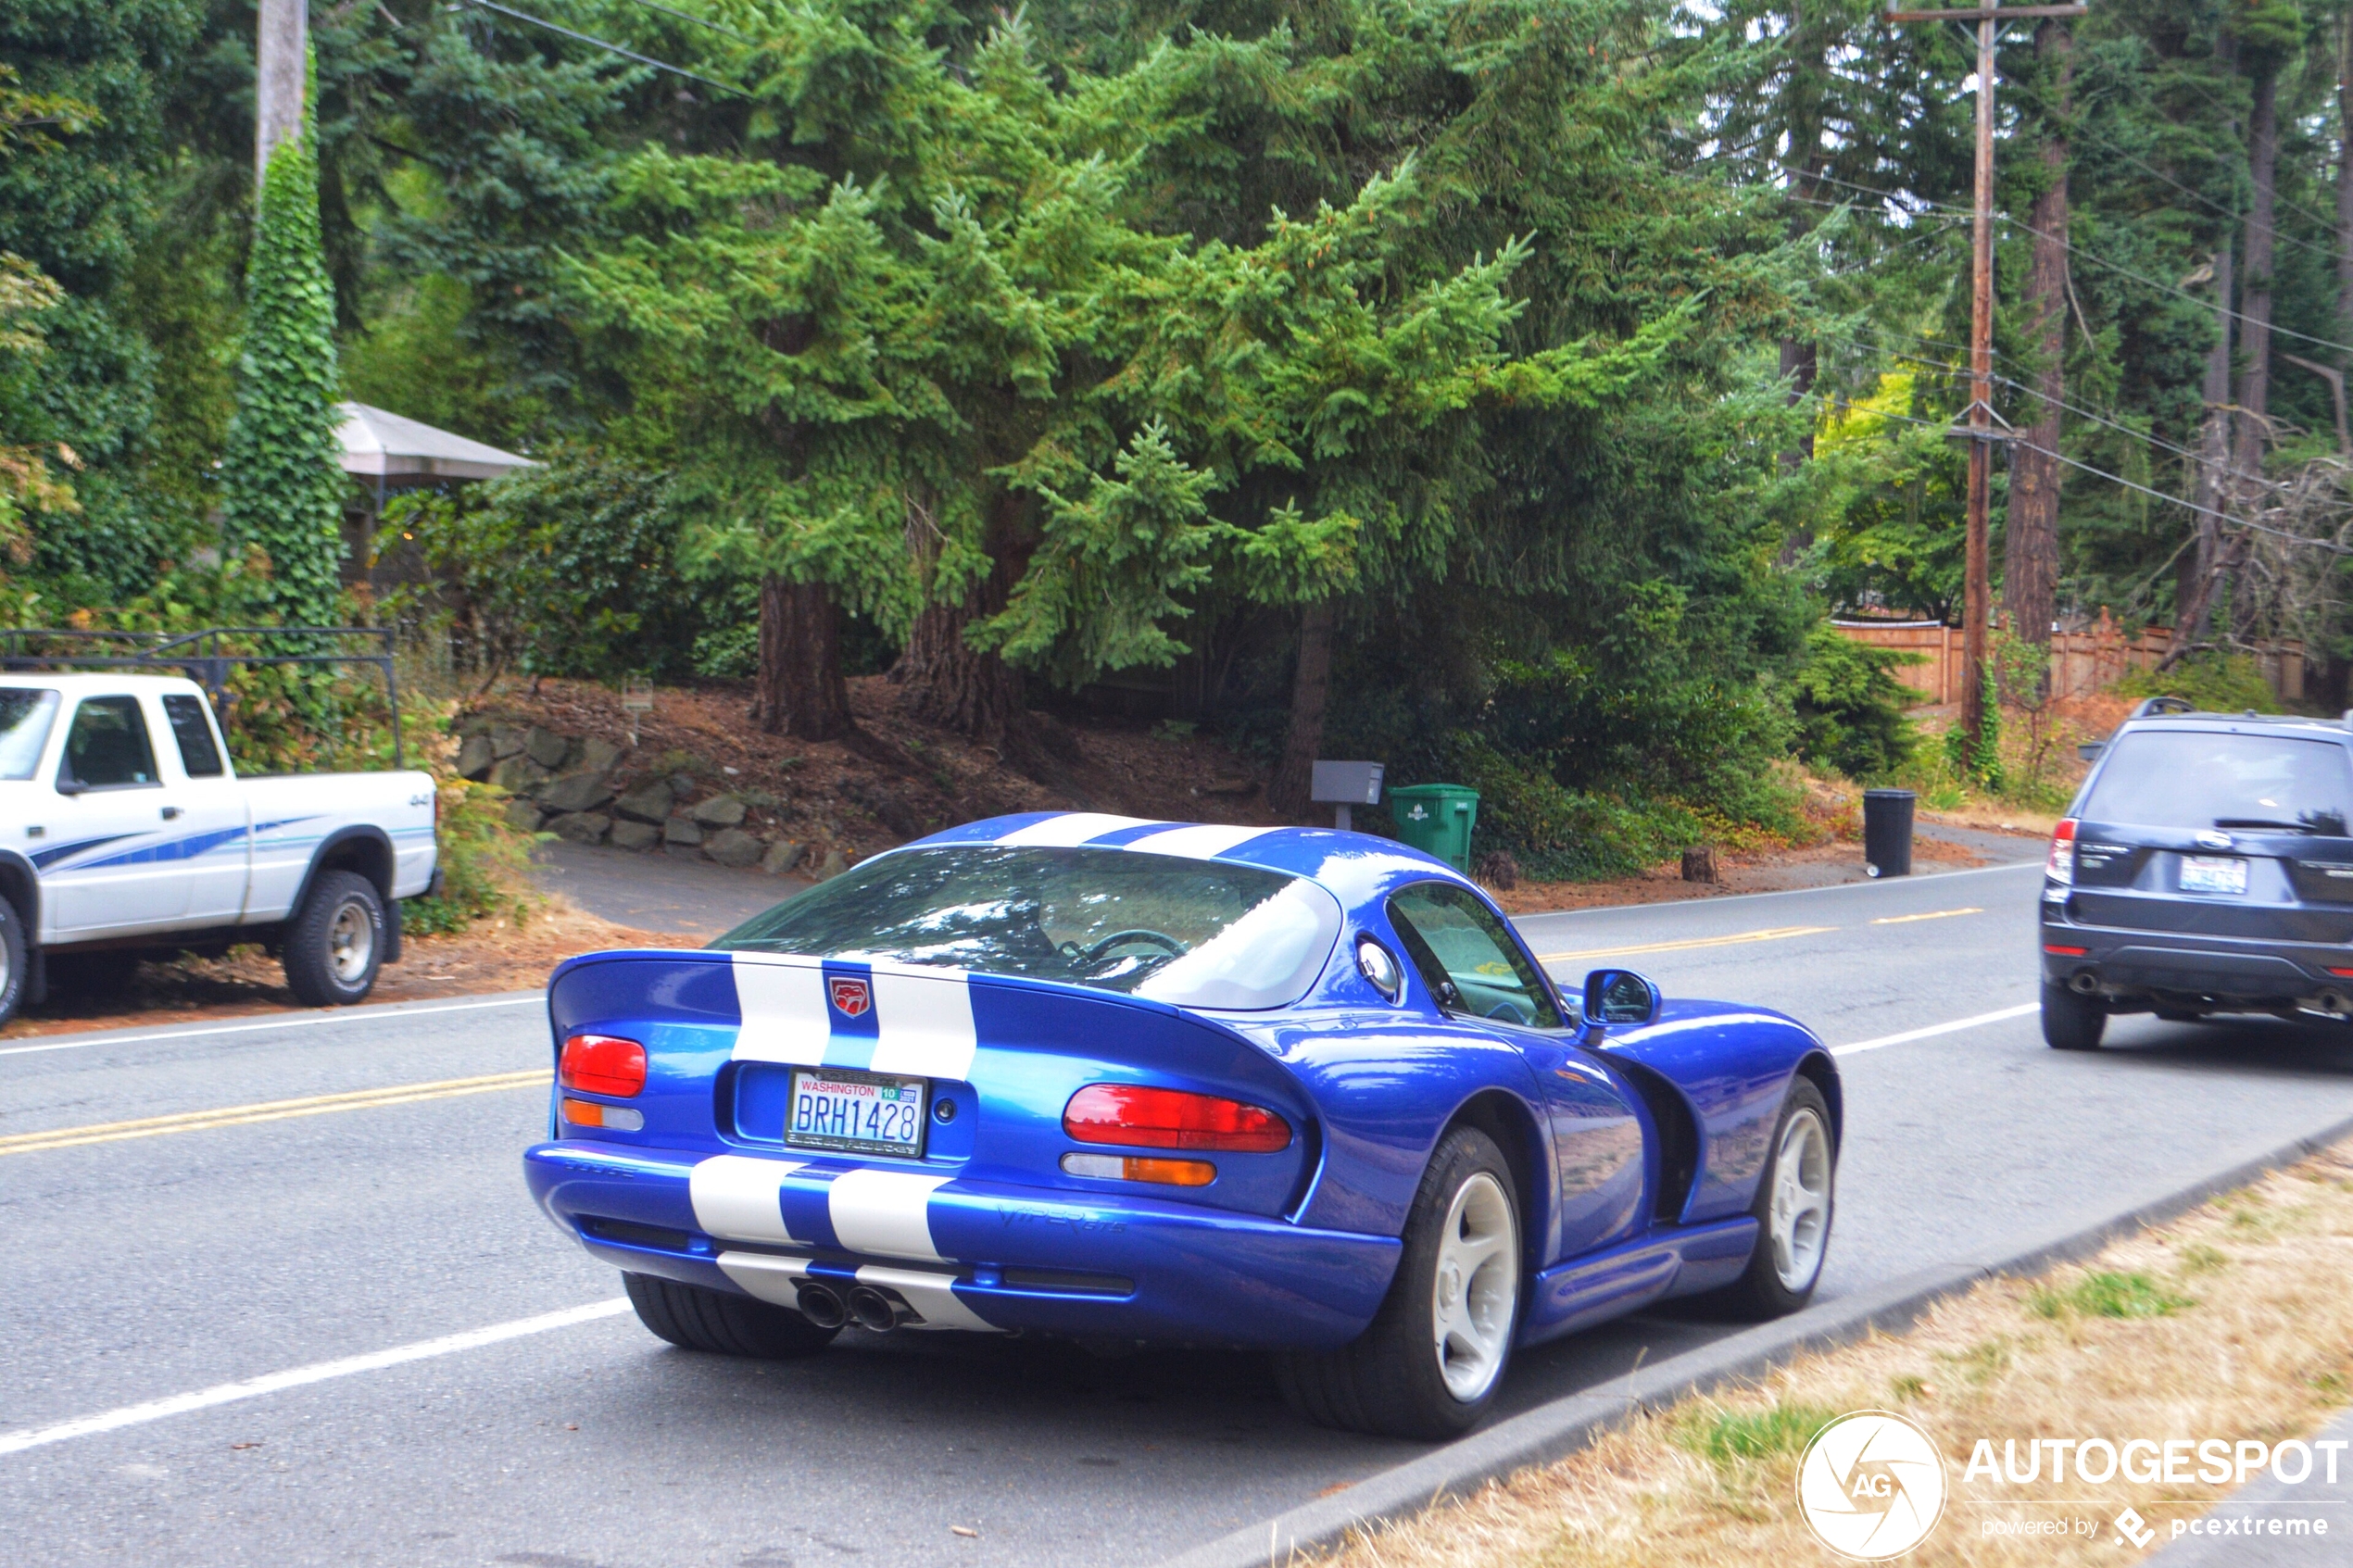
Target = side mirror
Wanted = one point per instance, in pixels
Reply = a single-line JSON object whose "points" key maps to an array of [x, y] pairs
{"points": [[1620, 996], [71, 787]]}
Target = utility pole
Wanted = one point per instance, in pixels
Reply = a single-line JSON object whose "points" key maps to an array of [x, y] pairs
{"points": [[281, 62], [1977, 592]]}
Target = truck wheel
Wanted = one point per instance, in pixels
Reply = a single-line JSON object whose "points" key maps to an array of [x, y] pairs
{"points": [[1795, 1197], [335, 942], [12, 956], [2071, 1022], [695, 1319], [1431, 1363]]}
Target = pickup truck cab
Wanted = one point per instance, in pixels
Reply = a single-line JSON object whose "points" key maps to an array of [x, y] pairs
{"points": [[123, 827]]}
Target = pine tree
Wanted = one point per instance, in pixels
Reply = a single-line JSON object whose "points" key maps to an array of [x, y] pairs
{"points": [[284, 489]]}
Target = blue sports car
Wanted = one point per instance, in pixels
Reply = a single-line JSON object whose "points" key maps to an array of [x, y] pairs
{"points": [[1300, 1090]]}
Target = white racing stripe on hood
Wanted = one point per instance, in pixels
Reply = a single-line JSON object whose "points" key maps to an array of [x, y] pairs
{"points": [[735, 1197], [1071, 829], [885, 1213], [783, 1000], [1202, 841], [924, 1022]]}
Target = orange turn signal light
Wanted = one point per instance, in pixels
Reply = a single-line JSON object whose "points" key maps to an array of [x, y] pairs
{"points": [[1136, 1168]]}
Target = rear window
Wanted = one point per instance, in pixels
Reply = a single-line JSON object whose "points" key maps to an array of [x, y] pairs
{"points": [[1188, 933], [25, 717], [2197, 779]]}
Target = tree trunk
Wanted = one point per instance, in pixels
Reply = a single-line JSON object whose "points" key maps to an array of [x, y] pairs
{"points": [[2345, 167], [2255, 290], [800, 690], [945, 681], [2194, 581], [2030, 546], [1310, 689]]}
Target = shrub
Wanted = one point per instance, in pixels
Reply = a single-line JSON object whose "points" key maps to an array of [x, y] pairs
{"points": [[2218, 682], [1850, 709], [485, 865]]}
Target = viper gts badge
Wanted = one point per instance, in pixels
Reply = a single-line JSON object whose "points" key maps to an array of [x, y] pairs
{"points": [[853, 998]]}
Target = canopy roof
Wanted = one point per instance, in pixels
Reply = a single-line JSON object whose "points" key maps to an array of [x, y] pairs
{"points": [[384, 447]]}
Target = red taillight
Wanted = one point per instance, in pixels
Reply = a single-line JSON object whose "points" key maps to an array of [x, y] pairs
{"points": [[603, 1064], [2060, 867], [1131, 1114], [2066, 952]]}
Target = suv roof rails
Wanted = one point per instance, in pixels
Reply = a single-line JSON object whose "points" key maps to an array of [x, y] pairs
{"points": [[2150, 708]]}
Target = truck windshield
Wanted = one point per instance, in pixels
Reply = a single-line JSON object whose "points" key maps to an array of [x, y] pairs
{"points": [[1188, 933], [2197, 779], [25, 719]]}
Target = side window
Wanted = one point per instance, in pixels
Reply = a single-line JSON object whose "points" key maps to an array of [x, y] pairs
{"points": [[108, 747], [1467, 956], [198, 757]]}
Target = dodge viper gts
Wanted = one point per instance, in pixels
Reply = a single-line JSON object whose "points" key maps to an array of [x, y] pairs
{"points": [[1072, 1074]]}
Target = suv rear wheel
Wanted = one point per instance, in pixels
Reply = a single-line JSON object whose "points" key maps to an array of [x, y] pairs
{"points": [[2071, 1022]]}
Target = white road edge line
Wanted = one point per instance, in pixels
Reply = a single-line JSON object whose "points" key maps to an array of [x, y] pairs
{"points": [[1916, 880], [356, 1015], [296, 1377], [1998, 1016]]}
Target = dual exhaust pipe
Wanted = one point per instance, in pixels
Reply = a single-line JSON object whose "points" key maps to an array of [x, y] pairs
{"points": [[861, 1304]]}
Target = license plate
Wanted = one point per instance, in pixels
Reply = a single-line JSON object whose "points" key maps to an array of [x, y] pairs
{"points": [[2213, 873], [856, 1113]]}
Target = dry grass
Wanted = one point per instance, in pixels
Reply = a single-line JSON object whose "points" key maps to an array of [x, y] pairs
{"points": [[2234, 1321]]}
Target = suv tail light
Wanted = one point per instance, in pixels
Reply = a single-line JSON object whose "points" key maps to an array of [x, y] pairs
{"points": [[603, 1064], [2060, 867], [1148, 1118]]}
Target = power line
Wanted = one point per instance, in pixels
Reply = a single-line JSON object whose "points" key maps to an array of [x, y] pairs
{"points": [[606, 46]]}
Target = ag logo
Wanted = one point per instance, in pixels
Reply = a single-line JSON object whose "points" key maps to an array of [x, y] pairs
{"points": [[852, 997], [1871, 1485]]}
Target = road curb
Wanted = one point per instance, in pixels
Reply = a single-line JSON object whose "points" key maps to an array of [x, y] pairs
{"points": [[1553, 1430]]}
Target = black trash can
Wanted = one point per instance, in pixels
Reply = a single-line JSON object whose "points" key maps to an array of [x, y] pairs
{"points": [[1887, 832]]}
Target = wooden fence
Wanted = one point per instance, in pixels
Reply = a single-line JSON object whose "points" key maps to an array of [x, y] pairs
{"points": [[2081, 662]]}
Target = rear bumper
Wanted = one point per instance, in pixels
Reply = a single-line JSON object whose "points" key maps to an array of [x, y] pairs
{"points": [[970, 1255], [2231, 971]]}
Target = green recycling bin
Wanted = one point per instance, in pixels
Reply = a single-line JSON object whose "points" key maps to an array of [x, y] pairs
{"points": [[1436, 818]]}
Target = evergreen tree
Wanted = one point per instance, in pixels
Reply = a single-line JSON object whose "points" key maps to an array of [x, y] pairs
{"points": [[283, 489]]}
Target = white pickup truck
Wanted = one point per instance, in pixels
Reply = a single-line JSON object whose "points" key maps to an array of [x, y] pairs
{"points": [[123, 827]]}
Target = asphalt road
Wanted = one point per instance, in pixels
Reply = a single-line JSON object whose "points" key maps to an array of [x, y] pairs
{"points": [[214, 1249]]}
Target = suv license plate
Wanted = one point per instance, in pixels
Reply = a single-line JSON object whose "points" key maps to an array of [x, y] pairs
{"points": [[856, 1112], [2213, 873]]}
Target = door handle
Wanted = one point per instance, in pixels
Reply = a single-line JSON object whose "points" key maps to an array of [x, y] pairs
{"points": [[170, 812]]}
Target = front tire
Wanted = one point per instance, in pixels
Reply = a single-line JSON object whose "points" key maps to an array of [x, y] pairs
{"points": [[694, 1318], [2071, 1022], [13, 956], [1431, 1363], [1796, 1197], [336, 943]]}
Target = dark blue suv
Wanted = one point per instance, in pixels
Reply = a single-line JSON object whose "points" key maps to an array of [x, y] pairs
{"points": [[2205, 867]]}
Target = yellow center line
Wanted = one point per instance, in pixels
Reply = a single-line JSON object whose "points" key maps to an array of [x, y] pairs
{"points": [[1771, 934], [268, 1111], [1934, 914]]}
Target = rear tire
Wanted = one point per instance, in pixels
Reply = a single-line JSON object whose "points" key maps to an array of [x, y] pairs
{"points": [[1796, 1197], [2071, 1022], [336, 943], [695, 1319], [1429, 1364]]}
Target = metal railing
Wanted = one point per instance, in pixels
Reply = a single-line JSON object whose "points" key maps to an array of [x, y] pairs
{"points": [[198, 655]]}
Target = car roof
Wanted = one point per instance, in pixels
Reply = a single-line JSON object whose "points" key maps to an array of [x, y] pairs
{"points": [[2335, 729], [1356, 867]]}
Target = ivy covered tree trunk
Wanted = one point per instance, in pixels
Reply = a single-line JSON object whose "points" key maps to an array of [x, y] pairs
{"points": [[284, 486], [1311, 690], [948, 681], [799, 691]]}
